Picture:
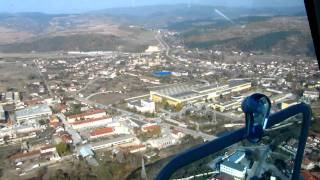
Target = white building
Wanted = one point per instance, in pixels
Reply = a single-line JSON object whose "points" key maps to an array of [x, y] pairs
{"points": [[32, 114], [312, 95], [152, 49], [93, 113], [177, 134], [238, 171], [91, 123], [142, 106], [101, 132], [233, 167], [162, 142], [47, 149], [2, 114], [127, 140]]}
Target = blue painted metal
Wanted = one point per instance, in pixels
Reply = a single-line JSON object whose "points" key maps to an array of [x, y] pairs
{"points": [[257, 109], [227, 140], [162, 73]]}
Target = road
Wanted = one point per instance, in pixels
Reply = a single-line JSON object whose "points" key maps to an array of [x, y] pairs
{"points": [[42, 77], [91, 95], [89, 83], [208, 109], [159, 38], [191, 132], [76, 138]]}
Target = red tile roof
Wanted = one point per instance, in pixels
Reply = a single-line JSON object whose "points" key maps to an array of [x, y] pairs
{"points": [[54, 124], [87, 113], [151, 128], [65, 137], [306, 161], [61, 107], [307, 175], [47, 147], [175, 131], [90, 120], [22, 155], [134, 147], [316, 174], [101, 131], [33, 102], [139, 146]]}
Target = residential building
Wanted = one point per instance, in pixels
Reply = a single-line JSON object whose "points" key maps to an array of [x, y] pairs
{"points": [[93, 113], [152, 49], [143, 106], [20, 157], [92, 122], [312, 95], [126, 140], [238, 171], [232, 165], [236, 157], [135, 148], [86, 151], [150, 127], [63, 136], [228, 105], [2, 114], [288, 103], [150, 80], [101, 132], [162, 142], [45, 152]]}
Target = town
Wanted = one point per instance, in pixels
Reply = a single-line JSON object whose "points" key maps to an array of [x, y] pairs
{"points": [[91, 106]]}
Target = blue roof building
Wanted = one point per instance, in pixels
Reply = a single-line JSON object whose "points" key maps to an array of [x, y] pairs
{"points": [[236, 157], [162, 73], [86, 151]]}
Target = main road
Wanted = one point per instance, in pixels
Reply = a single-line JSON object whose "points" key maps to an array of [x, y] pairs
{"points": [[164, 45], [42, 77]]}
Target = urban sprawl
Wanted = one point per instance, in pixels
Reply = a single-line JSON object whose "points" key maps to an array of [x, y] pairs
{"points": [[83, 104]]}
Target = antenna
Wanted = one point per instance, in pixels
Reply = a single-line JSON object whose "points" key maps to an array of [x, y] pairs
{"points": [[143, 169]]}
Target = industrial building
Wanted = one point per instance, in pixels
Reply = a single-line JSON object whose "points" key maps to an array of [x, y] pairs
{"points": [[188, 93], [32, 114]]}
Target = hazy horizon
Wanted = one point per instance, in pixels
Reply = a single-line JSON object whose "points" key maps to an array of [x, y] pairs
{"points": [[81, 6]]}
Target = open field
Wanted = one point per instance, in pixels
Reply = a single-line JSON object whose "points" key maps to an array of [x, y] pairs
{"points": [[111, 98], [5, 173], [16, 76]]}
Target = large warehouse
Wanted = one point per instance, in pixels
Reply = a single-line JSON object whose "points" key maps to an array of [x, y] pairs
{"points": [[186, 93], [30, 115]]}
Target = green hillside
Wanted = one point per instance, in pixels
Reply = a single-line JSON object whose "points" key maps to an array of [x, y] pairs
{"points": [[81, 42]]}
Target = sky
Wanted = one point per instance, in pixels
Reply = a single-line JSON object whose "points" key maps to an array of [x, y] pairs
{"points": [[79, 6]]}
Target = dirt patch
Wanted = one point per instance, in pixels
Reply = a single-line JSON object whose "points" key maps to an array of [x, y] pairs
{"points": [[17, 75], [114, 98]]}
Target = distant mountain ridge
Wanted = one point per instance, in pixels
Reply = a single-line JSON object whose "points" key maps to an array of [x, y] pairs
{"points": [[80, 42], [121, 28]]}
